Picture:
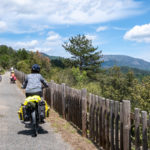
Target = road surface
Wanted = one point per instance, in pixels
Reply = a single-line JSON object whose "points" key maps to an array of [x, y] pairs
{"points": [[13, 134]]}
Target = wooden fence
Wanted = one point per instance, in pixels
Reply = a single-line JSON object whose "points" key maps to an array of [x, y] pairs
{"points": [[109, 124]]}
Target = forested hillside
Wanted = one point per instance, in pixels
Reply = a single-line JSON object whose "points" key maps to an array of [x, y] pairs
{"points": [[114, 83], [22, 60], [125, 68], [122, 60]]}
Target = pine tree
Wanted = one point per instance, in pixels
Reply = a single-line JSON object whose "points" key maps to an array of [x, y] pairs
{"points": [[84, 55]]}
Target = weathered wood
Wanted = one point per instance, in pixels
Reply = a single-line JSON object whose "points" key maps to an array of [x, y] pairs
{"points": [[112, 116], [84, 111], [66, 104], [90, 115], [69, 105], [116, 125], [52, 93], [73, 106], [103, 122], [121, 126], [80, 108], [49, 91], [77, 107], [55, 96], [70, 102], [144, 130], [107, 125], [60, 100], [100, 123], [94, 131], [97, 120], [126, 124], [137, 129]]}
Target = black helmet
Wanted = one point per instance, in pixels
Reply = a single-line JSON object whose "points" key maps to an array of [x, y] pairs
{"points": [[36, 68]]}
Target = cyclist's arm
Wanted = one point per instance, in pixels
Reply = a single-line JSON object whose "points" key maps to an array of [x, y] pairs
{"points": [[25, 83], [43, 82]]}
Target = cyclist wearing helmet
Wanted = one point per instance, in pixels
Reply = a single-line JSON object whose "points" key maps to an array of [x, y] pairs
{"points": [[33, 82], [12, 76]]}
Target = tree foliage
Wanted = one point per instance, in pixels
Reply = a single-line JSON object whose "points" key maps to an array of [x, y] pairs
{"points": [[23, 60], [78, 75], [84, 55]]}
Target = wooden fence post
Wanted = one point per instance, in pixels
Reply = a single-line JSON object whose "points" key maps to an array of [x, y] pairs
{"points": [[137, 130], [90, 115], [48, 92], [116, 125], [121, 126], [84, 111], [107, 124], [144, 130], [112, 117], [97, 124], [126, 124], [63, 91], [103, 122], [52, 93]]}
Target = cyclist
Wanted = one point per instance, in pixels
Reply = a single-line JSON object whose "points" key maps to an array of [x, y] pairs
{"points": [[33, 86], [33, 82]]}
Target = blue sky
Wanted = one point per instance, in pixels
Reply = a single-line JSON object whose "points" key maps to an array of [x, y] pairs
{"points": [[115, 26]]}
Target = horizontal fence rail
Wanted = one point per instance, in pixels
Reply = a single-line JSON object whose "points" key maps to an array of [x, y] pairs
{"points": [[108, 123]]}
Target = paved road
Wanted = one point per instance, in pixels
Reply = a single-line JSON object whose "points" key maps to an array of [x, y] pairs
{"points": [[13, 134]]}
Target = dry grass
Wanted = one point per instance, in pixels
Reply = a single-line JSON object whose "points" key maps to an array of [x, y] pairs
{"points": [[20, 85], [69, 133]]}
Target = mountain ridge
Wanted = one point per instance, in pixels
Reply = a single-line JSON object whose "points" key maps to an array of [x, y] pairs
{"points": [[124, 60], [118, 60]]}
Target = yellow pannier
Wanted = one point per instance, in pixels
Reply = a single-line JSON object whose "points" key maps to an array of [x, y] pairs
{"points": [[31, 102]]}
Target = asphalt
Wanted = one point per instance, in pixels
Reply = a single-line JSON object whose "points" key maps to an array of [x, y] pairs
{"points": [[13, 134]]}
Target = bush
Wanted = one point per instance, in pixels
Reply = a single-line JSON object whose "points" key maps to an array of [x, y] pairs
{"points": [[23, 66]]}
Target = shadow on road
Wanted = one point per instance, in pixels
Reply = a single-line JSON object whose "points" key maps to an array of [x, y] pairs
{"points": [[30, 131]]}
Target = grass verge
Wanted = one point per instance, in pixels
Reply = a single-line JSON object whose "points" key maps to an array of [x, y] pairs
{"points": [[69, 133]]}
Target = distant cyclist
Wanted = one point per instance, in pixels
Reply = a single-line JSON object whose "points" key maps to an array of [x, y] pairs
{"points": [[12, 76]]}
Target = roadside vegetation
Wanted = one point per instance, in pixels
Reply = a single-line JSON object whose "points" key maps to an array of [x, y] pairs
{"points": [[84, 70]]}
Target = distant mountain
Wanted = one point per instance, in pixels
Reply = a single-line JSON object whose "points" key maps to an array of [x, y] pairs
{"points": [[51, 57], [119, 60], [122, 60]]}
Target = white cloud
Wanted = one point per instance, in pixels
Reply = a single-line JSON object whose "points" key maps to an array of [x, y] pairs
{"points": [[101, 28], [28, 45], [2, 26], [119, 28], [53, 36], [21, 2], [52, 43], [24, 14], [139, 33], [90, 37]]}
